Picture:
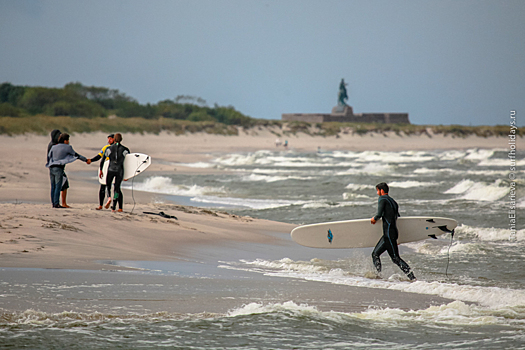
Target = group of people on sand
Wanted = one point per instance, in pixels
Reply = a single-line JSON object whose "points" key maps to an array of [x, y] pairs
{"points": [[60, 153]]}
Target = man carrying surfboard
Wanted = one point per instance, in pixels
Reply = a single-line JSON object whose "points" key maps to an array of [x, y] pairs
{"points": [[388, 211], [115, 155], [102, 190]]}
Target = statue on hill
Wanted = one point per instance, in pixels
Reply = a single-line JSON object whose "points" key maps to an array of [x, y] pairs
{"points": [[342, 96]]}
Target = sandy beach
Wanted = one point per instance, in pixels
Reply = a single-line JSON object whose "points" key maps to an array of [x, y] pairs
{"points": [[33, 235]]}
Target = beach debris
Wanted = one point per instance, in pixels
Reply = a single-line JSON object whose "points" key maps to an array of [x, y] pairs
{"points": [[164, 215]]}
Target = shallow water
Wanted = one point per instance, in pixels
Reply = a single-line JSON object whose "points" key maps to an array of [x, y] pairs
{"points": [[481, 270]]}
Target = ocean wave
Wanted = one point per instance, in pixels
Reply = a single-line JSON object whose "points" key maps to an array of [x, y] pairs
{"points": [[265, 178], [454, 313], [500, 162], [479, 154], [370, 168], [200, 165], [479, 191], [411, 184], [359, 187], [165, 185], [492, 297], [278, 160], [428, 171], [461, 187], [395, 157], [249, 203], [490, 234]]}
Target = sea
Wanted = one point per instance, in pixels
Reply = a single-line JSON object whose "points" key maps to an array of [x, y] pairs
{"points": [[480, 269]]}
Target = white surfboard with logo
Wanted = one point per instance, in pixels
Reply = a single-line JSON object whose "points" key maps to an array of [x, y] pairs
{"points": [[361, 233], [134, 164]]}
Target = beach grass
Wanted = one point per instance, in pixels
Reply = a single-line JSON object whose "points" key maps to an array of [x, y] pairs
{"points": [[42, 125]]}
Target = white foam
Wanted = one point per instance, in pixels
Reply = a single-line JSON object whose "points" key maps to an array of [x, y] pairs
{"points": [[410, 184], [479, 154], [489, 234], [201, 165], [493, 297], [479, 191], [258, 204], [461, 187], [500, 162], [165, 185], [359, 187], [484, 192], [427, 171], [394, 157], [347, 196], [454, 313], [265, 178]]}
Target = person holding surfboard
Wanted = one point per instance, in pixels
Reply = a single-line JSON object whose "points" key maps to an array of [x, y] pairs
{"points": [[388, 211], [115, 155], [102, 190]]}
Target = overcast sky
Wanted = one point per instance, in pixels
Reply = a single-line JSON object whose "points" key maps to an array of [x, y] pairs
{"points": [[443, 62]]}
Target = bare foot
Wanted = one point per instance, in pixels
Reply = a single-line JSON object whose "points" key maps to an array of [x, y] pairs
{"points": [[98, 208], [64, 205], [108, 203], [120, 210]]}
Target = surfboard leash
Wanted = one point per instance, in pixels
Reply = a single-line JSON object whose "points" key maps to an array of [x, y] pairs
{"points": [[448, 252], [133, 181]]}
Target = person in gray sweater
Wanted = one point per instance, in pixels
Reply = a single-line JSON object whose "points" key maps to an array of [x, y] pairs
{"points": [[59, 155]]}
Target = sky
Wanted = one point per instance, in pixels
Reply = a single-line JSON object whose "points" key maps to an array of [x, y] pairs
{"points": [[443, 62]]}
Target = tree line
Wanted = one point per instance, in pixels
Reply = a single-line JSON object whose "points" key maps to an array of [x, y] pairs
{"points": [[77, 100]]}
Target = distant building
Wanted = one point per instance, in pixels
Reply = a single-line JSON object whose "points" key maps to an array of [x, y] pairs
{"points": [[344, 113], [347, 115]]}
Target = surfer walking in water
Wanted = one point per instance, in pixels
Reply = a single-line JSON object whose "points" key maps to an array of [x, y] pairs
{"points": [[115, 155], [102, 190], [388, 211]]}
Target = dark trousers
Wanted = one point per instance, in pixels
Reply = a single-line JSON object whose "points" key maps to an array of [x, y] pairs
{"points": [[101, 194], [118, 176], [389, 243], [56, 175]]}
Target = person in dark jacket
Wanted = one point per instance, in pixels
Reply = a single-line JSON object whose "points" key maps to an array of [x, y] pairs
{"points": [[59, 155], [115, 155], [55, 134], [388, 211]]}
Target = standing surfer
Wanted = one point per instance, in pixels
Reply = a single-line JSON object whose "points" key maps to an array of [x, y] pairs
{"points": [[388, 210], [102, 190], [115, 155]]}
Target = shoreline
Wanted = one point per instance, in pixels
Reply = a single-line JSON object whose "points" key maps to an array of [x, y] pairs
{"points": [[35, 236]]}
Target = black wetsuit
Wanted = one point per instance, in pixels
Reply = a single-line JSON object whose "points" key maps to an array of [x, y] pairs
{"points": [[116, 153], [388, 210], [102, 190]]}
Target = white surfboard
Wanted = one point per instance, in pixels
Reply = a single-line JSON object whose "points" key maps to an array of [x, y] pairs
{"points": [[361, 233], [134, 164]]}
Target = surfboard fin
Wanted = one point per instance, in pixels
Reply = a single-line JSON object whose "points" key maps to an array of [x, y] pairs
{"points": [[432, 236], [431, 220], [444, 228]]}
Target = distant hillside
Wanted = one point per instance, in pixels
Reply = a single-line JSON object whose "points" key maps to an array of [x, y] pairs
{"points": [[79, 108], [76, 100]]}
